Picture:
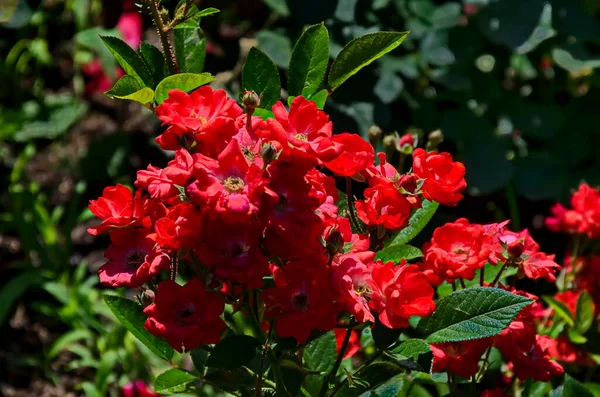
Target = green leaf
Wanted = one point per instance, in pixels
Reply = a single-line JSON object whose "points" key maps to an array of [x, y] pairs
{"points": [[360, 52], [182, 81], [416, 353], [173, 381], [320, 98], [206, 12], [260, 75], [319, 355], [264, 113], [155, 60], [542, 31], [66, 339], [14, 289], [566, 61], [397, 252], [131, 315], [472, 313], [571, 388], [309, 61], [91, 39], [190, 46], [584, 313], [233, 352], [129, 87], [279, 6], [383, 336], [369, 378], [417, 222], [199, 357], [393, 387], [576, 337], [129, 60], [560, 309]]}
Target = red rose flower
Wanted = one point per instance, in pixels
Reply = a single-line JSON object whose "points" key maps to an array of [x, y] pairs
{"points": [[181, 228], [187, 316], [563, 350], [356, 155], [494, 392], [132, 259], [583, 218], [117, 207], [350, 281], [304, 133], [301, 300], [456, 250], [460, 358], [137, 389], [207, 115], [229, 186], [353, 342], [399, 292], [444, 179], [384, 205], [161, 182]]}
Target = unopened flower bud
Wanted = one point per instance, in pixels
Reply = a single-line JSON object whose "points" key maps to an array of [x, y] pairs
{"points": [[434, 139], [407, 139], [515, 248], [334, 243], [268, 153], [147, 297], [374, 134], [408, 182], [389, 145], [250, 100]]}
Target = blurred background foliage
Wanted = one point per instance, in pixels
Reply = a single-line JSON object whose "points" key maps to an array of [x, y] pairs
{"points": [[510, 83]]}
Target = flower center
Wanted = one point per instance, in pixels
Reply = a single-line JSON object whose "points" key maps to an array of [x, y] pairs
{"points": [[234, 184], [301, 137], [283, 202], [186, 314], [300, 301], [134, 260], [248, 153]]}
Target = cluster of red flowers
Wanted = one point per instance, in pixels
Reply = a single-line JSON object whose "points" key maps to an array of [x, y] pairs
{"points": [[456, 251], [248, 203], [583, 218]]}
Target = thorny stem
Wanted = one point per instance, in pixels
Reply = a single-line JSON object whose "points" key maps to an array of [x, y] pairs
{"points": [[263, 357], [163, 33], [336, 366], [369, 361], [350, 199]]}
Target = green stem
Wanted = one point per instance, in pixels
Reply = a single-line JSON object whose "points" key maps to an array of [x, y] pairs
{"points": [[163, 33], [482, 276], [337, 364], [574, 255], [497, 278]]}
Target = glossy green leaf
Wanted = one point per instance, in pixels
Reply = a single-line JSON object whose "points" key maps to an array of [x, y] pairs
{"points": [[129, 60], [560, 309], [233, 352], [182, 81], [584, 313], [260, 75], [571, 388], [131, 315], [190, 46], [576, 337], [173, 381], [129, 87], [264, 113], [319, 355], [415, 354], [417, 222], [155, 60], [471, 313], [397, 252], [360, 52], [393, 387], [309, 61], [207, 11], [320, 98], [370, 378]]}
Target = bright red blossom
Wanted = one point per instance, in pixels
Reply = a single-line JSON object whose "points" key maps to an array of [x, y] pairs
{"points": [[187, 316], [356, 155], [444, 178], [460, 358], [384, 205], [399, 292]]}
